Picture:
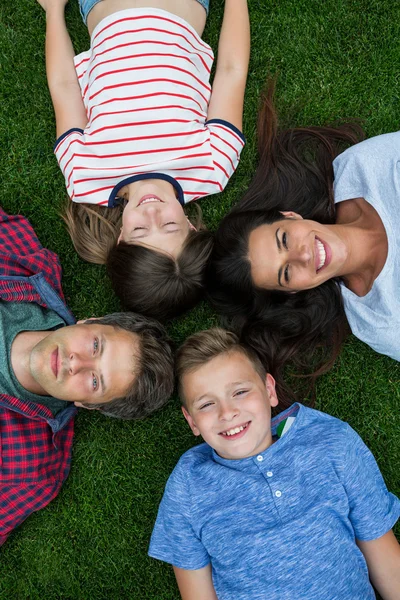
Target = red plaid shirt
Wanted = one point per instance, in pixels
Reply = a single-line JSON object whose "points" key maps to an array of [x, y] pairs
{"points": [[35, 449]]}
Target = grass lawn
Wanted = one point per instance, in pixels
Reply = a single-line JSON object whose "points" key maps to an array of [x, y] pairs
{"points": [[335, 59]]}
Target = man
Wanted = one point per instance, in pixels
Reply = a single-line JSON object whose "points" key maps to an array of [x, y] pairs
{"points": [[120, 364]]}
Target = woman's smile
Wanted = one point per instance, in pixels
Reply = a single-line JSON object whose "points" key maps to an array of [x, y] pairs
{"points": [[295, 254]]}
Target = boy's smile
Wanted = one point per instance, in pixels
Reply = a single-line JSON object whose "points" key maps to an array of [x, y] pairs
{"points": [[229, 405]]}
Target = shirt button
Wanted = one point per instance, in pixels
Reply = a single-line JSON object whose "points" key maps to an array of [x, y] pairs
{"points": [[278, 493], [269, 473], [260, 458]]}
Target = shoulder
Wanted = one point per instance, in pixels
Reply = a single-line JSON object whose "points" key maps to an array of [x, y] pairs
{"points": [[189, 463], [323, 431], [380, 147]]}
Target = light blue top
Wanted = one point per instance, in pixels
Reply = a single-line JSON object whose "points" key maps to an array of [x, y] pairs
{"points": [[280, 525], [371, 170]]}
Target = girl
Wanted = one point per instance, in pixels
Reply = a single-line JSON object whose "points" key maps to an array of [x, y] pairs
{"points": [[313, 244], [141, 133]]}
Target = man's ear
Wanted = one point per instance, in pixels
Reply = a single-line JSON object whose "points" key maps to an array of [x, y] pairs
{"points": [[189, 419], [88, 319], [270, 385], [289, 214], [87, 406]]}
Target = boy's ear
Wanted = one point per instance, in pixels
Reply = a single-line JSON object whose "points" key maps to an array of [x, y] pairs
{"points": [[189, 419], [87, 406], [270, 385]]}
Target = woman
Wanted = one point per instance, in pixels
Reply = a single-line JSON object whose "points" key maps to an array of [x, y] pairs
{"points": [[141, 133], [313, 245]]}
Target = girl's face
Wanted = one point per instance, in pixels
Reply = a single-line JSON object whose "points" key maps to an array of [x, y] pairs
{"points": [[295, 254], [153, 217]]}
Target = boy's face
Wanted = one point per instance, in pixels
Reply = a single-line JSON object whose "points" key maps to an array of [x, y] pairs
{"points": [[229, 405]]}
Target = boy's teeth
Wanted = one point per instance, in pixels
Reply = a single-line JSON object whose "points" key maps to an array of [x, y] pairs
{"points": [[233, 431], [322, 254]]}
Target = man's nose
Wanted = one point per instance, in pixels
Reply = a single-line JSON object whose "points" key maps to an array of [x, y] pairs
{"points": [[78, 363]]}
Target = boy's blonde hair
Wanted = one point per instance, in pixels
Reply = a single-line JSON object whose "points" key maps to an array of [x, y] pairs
{"points": [[203, 346]]}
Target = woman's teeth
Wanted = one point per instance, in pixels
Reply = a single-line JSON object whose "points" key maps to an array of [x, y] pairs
{"points": [[322, 254]]}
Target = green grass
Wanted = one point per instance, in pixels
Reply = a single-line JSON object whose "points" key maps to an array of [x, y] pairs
{"points": [[335, 59]]}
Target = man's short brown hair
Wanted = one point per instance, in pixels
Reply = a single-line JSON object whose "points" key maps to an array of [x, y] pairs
{"points": [[203, 346], [152, 367]]}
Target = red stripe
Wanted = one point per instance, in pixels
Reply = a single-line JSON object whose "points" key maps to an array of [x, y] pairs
{"points": [[144, 137], [148, 29], [95, 56], [227, 143], [86, 59], [142, 152], [222, 169], [145, 108], [200, 181], [89, 193], [196, 193], [64, 138], [140, 97], [146, 166], [148, 67], [133, 56], [227, 130], [140, 123], [138, 17], [223, 154], [197, 167], [146, 81]]}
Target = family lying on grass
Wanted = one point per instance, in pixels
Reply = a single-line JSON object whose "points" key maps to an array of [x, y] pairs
{"points": [[293, 507]]}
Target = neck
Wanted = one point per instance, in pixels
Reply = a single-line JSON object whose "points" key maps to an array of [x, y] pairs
{"points": [[21, 349], [365, 237]]}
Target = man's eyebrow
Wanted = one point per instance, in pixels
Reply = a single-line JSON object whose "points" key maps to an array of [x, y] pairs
{"points": [[102, 383], [279, 249]]}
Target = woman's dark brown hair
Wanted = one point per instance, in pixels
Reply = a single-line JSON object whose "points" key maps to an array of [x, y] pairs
{"points": [[294, 173]]}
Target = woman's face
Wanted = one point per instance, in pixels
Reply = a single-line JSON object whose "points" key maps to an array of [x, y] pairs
{"points": [[295, 254]]}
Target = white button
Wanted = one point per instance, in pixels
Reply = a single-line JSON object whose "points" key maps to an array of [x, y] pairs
{"points": [[260, 458], [278, 493], [269, 473]]}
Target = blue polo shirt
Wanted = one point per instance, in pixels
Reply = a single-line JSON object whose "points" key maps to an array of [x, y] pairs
{"points": [[280, 525]]}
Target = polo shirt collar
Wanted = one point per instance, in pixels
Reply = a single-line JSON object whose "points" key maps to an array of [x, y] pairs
{"points": [[251, 464]]}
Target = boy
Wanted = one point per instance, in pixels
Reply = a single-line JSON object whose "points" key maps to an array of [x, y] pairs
{"points": [[290, 509]]}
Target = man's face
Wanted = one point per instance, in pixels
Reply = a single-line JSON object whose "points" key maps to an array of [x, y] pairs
{"points": [[229, 405], [88, 363]]}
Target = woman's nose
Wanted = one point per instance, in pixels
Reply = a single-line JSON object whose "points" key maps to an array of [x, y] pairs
{"points": [[303, 255]]}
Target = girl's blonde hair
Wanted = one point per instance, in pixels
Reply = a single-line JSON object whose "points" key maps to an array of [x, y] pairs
{"points": [[94, 230]]}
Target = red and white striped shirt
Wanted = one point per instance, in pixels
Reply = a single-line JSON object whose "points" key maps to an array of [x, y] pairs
{"points": [[145, 86]]}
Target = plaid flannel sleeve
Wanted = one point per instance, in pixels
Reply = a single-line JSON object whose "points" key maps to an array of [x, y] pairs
{"points": [[17, 502]]}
